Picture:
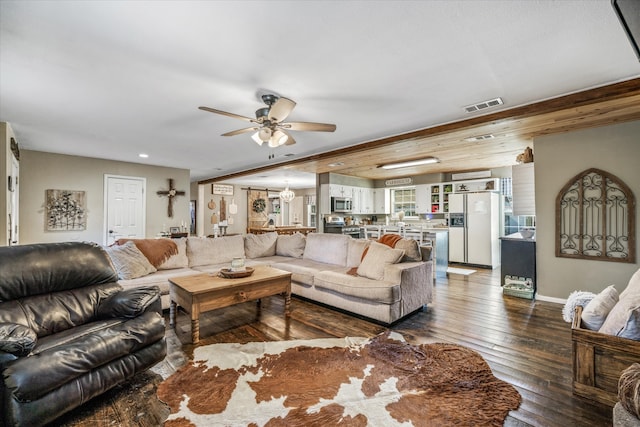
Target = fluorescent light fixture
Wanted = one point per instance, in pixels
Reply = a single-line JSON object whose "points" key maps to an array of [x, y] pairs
{"points": [[143, 155], [408, 163]]}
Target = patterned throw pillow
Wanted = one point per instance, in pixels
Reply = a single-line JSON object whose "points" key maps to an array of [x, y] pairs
{"points": [[129, 262]]}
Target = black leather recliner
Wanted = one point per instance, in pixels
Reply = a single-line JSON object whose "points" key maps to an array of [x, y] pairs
{"points": [[68, 331]]}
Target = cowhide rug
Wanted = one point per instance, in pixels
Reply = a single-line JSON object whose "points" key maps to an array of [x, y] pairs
{"points": [[383, 381]]}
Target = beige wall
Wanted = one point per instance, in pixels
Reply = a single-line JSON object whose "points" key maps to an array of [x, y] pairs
{"points": [[558, 158], [40, 171]]}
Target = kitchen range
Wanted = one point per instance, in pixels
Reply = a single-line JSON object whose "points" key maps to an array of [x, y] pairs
{"points": [[338, 225]]}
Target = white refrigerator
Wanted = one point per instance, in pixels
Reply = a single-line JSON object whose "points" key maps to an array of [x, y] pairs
{"points": [[474, 228]]}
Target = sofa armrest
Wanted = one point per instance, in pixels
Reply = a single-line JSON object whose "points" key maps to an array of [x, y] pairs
{"points": [[416, 283], [16, 339], [130, 303]]}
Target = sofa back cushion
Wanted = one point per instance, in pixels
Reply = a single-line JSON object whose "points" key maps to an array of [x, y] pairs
{"points": [[260, 245], [206, 251], [54, 312], [291, 245], [27, 270], [327, 248]]}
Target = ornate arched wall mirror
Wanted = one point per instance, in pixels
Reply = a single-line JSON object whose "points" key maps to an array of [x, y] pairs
{"points": [[595, 218]]}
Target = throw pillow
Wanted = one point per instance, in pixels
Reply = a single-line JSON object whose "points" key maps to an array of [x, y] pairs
{"points": [[633, 287], [596, 311], [260, 245], [377, 258], [411, 250], [356, 251], [575, 298], [629, 389], [129, 262], [624, 318], [291, 245], [16, 339], [157, 251], [178, 260]]}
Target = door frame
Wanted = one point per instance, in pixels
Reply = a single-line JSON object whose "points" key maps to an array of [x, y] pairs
{"points": [[105, 225]]}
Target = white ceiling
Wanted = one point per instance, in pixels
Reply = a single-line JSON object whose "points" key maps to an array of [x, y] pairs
{"points": [[112, 79]]}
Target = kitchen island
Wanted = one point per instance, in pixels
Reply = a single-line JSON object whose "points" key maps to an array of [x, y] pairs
{"points": [[282, 230], [438, 237]]}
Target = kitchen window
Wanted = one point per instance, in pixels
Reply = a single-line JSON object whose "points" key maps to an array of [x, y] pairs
{"points": [[404, 200]]}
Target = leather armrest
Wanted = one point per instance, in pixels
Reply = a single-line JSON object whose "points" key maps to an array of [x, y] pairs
{"points": [[17, 339], [130, 303]]}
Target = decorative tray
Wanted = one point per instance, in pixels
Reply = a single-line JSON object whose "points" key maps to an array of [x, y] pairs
{"points": [[228, 274]]}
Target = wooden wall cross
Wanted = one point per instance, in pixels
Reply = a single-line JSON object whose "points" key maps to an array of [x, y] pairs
{"points": [[171, 193]]}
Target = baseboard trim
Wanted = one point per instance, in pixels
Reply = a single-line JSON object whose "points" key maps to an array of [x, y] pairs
{"points": [[551, 299]]}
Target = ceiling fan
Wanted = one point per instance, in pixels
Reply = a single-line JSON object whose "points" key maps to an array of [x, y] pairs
{"points": [[269, 127]]}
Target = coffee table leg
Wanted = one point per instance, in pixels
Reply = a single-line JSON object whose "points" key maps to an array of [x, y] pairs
{"points": [[195, 330], [287, 304], [172, 314]]}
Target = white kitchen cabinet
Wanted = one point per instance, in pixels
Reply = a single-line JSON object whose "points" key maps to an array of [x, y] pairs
{"points": [[423, 198], [382, 201], [336, 190]]}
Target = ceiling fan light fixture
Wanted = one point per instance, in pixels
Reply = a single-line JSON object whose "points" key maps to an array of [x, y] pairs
{"points": [[256, 138], [264, 134], [409, 163], [280, 137]]}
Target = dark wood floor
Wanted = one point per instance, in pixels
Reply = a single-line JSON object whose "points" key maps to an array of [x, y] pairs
{"points": [[525, 342]]}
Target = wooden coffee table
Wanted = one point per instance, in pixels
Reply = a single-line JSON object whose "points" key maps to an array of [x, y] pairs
{"points": [[207, 291]]}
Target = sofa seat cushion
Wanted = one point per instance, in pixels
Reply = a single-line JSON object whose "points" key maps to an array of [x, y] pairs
{"points": [[359, 287], [160, 279], [304, 270], [59, 358]]}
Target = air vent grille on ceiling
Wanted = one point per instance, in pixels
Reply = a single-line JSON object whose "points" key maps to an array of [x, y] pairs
{"points": [[480, 137], [483, 105]]}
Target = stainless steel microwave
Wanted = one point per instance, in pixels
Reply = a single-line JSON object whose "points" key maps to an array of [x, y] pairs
{"points": [[340, 204]]}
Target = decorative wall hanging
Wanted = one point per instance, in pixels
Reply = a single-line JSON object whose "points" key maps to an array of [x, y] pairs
{"points": [[66, 210], [170, 193], [595, 218], [222, 189]]}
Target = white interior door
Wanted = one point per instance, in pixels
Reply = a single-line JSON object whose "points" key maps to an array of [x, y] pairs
{"points": [[124, 208]]}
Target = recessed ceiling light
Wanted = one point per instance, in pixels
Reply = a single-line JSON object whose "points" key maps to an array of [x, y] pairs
{"points": [[333, 165], [143, 155], [408, 163]]}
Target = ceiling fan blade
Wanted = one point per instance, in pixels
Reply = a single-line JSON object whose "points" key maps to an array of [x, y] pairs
{"points": [[224, 113], [309, 126], [290, 139], [239, 131], [281, 109]]}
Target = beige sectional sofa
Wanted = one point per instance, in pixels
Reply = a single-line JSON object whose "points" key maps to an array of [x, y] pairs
{"points": [[385, 284]]}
